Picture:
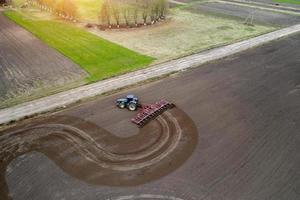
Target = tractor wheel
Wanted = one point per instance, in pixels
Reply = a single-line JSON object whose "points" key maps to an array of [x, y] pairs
{"points": [[132, 106], [122, 105]]}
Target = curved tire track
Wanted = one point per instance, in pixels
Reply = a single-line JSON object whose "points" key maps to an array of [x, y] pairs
{"points": [[95, 155]]}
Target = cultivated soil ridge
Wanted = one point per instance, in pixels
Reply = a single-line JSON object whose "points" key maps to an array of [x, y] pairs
{"points": [[62, 99]]}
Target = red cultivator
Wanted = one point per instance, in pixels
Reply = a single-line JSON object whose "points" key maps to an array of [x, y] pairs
{"points": [[150, 111]]}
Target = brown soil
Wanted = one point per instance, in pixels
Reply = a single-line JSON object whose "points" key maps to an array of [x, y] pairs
{"points": [[94, 155], [28, 66], [247, 112]]}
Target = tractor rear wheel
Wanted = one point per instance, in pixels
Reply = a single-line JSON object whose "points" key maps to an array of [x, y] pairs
{"points": [[132, 106]]}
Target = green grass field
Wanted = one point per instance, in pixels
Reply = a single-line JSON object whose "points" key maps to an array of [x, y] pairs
{"points": [[99, 57], [288, 1]]}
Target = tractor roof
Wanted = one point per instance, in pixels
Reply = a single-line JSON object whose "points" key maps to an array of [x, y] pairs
{"points": [[130, 96]]}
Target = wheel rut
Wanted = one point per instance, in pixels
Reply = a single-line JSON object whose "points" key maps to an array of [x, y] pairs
{"points": [[94, 155]]}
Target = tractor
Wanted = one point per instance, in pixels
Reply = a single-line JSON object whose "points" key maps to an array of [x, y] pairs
{"points": [[146, 111], [131, 102]]}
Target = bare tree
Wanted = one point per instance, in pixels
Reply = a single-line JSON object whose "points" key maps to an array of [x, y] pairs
{"points": [[2, 2], [152, 12], [50, 4], [70, 9], [59, 8], [145, 11], [105, 13], [127, 10], [157, 9], [116, 12], [126, 14], [163, 6], [135, 13]]}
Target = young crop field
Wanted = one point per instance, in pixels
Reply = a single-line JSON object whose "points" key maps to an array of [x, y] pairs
{"points": [[99, 57]]}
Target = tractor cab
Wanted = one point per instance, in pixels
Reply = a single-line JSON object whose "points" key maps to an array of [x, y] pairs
{"points": [[131, 97], [131, 102]]}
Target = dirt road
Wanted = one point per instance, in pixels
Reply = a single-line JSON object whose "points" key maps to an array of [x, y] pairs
{"points": [[236, 123], [27, 65]]}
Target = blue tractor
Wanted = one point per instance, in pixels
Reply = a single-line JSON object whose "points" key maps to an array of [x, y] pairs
{"points": [[131, 102]]}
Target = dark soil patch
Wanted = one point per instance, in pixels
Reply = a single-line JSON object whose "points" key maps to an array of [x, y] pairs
{"points": [[27, 65], [96, 156]]}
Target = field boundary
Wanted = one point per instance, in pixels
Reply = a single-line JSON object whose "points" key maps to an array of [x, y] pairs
{"points": [[74, 95]]}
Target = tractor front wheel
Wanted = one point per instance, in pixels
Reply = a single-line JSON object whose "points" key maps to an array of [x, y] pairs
{"points": [[122, 105]]}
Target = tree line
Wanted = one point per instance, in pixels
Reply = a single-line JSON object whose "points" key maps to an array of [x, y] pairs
{"points": [[64, 8], [112, 12], [2, 2], [117, 12]]}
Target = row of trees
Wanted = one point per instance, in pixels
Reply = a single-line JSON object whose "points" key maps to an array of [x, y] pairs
{"points": [[63, 8], [117, 12], [112, 12], [2, 2]]}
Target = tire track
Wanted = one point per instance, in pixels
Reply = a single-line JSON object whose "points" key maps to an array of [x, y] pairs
{"points": [[96, 156]]}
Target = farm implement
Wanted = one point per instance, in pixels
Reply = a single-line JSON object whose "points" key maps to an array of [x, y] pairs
{"points": [[146, 112]]}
